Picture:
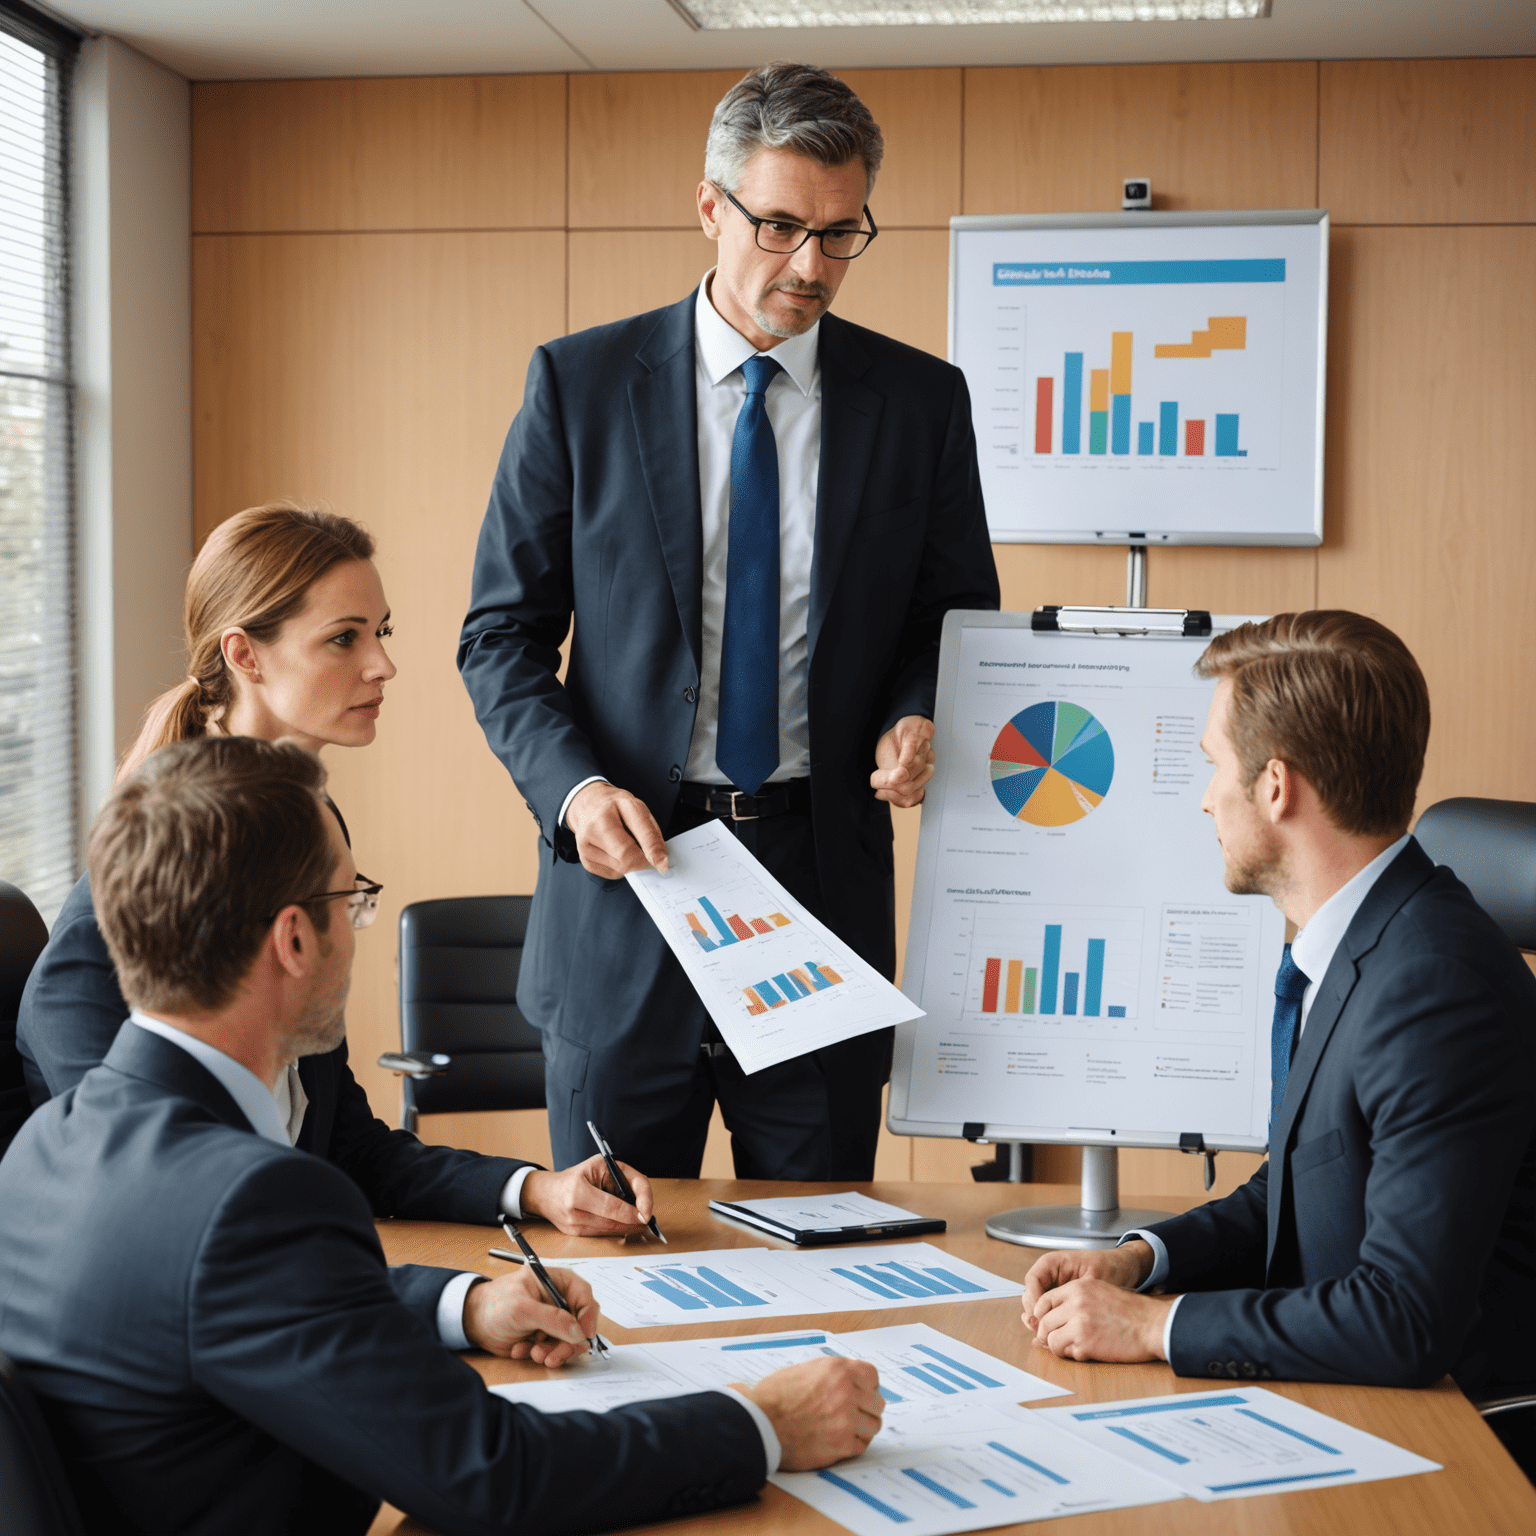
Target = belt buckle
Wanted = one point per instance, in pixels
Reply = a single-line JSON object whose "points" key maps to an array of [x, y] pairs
{"points": [[736, 795]]}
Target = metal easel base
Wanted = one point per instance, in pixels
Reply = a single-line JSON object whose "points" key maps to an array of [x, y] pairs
{"points": [[1099, 1222]]}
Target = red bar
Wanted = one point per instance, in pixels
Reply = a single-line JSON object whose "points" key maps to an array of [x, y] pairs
{"points": [[738, 927], [989, 987], [760, 926], [1194, 439], [1044, 394]]}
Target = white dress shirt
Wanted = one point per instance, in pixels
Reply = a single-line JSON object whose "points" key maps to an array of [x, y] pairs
{"points": [[1312, 951], [794, 411]]}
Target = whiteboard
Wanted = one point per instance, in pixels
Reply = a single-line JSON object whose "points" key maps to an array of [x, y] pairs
{"points": [[1153, 377], [1085, 974]]}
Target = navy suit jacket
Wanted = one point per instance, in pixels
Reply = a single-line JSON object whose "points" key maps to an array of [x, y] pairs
{"points": [[595, 512], [72, 1009], [208, 1321], [1391, 1236]]}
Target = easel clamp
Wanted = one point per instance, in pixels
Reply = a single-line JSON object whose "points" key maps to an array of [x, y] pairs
{"points": [[1054, 618]]}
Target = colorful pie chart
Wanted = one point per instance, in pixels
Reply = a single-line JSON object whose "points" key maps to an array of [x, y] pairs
{"points": [[1051, 764]]}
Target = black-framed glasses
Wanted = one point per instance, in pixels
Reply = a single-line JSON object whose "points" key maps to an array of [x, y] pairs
{"points": [[782, 237], [362, 901]]}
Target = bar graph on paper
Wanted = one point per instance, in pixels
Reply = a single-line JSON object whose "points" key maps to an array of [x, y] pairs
{"points": [[1038, 962]]}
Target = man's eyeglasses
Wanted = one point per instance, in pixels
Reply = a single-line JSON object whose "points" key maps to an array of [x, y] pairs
{"points": [[362, 901], [782, 237]]}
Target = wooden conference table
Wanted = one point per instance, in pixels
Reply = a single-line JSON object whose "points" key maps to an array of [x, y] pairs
{"points": [[1481, 1489]]}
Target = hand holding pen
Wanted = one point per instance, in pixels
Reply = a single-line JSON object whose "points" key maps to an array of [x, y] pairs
{"points": [[552, 1292], [621, 1185]]}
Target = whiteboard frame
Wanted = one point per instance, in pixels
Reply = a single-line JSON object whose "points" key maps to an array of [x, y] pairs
{"points": [[913, 969], [963, 223]]}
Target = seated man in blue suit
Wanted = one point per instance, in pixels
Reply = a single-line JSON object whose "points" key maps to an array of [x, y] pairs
{"points": [[1391, 1236], [204, 1309]]}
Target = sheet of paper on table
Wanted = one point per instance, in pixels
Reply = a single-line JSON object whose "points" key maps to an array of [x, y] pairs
{"points": [[926, 1377], [776, 982], [988, 1466], [644, 1290], [1237, 1443]]}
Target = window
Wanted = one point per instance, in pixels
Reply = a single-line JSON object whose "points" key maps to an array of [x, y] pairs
{"points": [[38, 759]]}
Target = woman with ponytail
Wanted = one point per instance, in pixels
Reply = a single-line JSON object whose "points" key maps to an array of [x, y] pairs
{"points": [[285, 622]]}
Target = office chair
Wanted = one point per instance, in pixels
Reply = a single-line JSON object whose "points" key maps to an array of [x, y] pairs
{"points": [[463, 1043], [1491, 847], [34, 1497], [23, 933]]}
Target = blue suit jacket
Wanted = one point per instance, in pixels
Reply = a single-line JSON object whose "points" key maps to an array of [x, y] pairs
{"points": [[217, 1344], [595, 512], [1391, 1236]]}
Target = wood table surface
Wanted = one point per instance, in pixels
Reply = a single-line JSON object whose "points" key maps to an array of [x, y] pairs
{"points": [[1481, 1489]]}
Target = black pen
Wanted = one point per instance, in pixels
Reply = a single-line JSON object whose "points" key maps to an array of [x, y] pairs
{"points": [[620, 1183], [542, 1276]]}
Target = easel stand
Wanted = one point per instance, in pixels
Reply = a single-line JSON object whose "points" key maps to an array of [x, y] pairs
{"points": [[1098, 1220]]}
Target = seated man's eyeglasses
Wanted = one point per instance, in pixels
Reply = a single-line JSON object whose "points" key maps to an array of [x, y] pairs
{"points": [[362, 901], [781, 236]]}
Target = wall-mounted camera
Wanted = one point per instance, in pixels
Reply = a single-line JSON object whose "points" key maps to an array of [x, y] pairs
{"points": [[1136, 193]]}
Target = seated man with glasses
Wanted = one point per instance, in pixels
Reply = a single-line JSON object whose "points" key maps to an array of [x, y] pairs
{"points": [[757, 515], [204, 1309]]}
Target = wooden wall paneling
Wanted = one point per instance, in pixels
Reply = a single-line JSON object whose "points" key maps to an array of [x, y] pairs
{"points": [[900, 287], [466, 152], [616, 272], [1059, 140], [379, 373], [1428, 141], [1232, 580], [1431, 398], [919, 113]]}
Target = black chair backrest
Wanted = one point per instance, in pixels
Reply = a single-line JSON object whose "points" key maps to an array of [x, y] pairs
{"points": [[1491, 846], [23, 933], [34, 1496], [459, 960]]}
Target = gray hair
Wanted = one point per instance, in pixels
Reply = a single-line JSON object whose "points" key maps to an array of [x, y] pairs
{"points": [[795, 107]]}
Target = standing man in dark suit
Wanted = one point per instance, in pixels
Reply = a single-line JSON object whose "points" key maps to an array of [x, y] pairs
{"points": [[1391, 1236], [757, 515], [204, 1309]]}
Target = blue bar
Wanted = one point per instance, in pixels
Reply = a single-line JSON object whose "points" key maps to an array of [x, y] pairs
{"points": [[963, 1286], [955, 1365], [791, 988], [949, 1375], [1120, 424], [938, 1488], [1105, 274], [765, 991], [817, 979], [889, 1396], [1270, 1482], [868, 1284], [1226, 439], [1168, 428], [677, 1298], [743, 1298], [810, 1338], [1050, 965], [1143, 437], [866, 1498], [931, 1286], [896, 1282], [933, 1381], [999, 1487], [1285, 1429], [704, 943], [1093, 989], [1069, 992], [1116, 1011], [1184, 1405], [1151, 1445], [698, 1287], [1055, 1477], [1072, 404], [726, 936]]}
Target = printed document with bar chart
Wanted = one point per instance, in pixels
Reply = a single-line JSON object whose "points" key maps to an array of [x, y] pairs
{"points": [[1151, 373], [776, 982], [1085, 974]]}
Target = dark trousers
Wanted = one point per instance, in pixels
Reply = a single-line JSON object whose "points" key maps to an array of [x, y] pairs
{"points": [[815, 1117]]}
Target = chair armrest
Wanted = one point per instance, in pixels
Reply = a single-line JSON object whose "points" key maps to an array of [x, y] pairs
{"points": [[417, 1064]]}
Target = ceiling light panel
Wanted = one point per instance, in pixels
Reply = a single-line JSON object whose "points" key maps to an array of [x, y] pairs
{"points": [[751, 15]]}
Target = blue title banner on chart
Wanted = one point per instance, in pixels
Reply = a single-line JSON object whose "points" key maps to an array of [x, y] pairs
{"points": [[1099, 274]]}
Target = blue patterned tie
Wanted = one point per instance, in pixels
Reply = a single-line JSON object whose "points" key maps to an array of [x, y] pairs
{"points": [[1290, 988], [747, 748]]}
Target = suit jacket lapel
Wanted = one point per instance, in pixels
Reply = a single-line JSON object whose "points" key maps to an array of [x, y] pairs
{"points": [[665, 410], [1401, 878], [850, 417]]}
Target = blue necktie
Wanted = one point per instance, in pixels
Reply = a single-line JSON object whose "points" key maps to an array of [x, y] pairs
{"points": [[747, 748], [1290, 988]]}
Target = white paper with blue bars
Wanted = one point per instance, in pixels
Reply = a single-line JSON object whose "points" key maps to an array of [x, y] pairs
{"points": [[1237, 1443], [644, 1290]]}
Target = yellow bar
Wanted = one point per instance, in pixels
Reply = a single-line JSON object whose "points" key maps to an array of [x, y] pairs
{"points": [[755, 1004], [1119, 364], [829, 973], [778, 920], [1015, 977], [1098, 389]]}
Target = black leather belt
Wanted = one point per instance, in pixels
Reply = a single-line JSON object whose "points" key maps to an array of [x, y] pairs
{"points": [[733, 805]]}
